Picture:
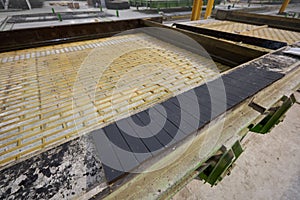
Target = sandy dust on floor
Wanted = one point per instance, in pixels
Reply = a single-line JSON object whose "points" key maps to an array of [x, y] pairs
{"points": [[269, 168]]}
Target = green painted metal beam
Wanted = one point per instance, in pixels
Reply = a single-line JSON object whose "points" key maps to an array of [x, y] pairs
{"points": [[275, 115], [220, 164]]}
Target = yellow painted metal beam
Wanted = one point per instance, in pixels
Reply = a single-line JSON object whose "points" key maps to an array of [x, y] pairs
{"points": [[196, 11], [209, 7], [285, 3]]}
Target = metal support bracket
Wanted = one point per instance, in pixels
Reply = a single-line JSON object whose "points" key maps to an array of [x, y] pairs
{"points": [[220, 165], [274, 114], [257, 107]]}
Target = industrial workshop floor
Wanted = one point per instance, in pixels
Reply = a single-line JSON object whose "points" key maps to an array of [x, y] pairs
{"points": [[268, 169]]}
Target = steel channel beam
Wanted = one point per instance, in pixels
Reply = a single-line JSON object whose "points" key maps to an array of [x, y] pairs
{"points": [[259, 19], [221, 51], [36, 37], [269, 44]]}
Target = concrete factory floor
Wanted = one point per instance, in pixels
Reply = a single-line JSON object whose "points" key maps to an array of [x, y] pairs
{"points": [[269, 168]]}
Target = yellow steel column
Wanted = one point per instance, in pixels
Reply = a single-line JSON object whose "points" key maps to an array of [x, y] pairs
{"points": [[196, 11], [285, 3], [209, 7]]}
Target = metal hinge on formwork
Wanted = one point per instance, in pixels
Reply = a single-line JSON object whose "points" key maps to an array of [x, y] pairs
{"points": [[274, 115], [220, 165]]}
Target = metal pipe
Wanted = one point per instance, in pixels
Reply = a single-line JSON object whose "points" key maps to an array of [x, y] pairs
{"points": [[28, 4], [285, 3], [2, 2], [6, 5], [209, 7], [196, 11]]}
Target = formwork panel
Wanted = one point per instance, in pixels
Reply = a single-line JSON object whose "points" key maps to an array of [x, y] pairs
{"points": [[53, 93]]}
